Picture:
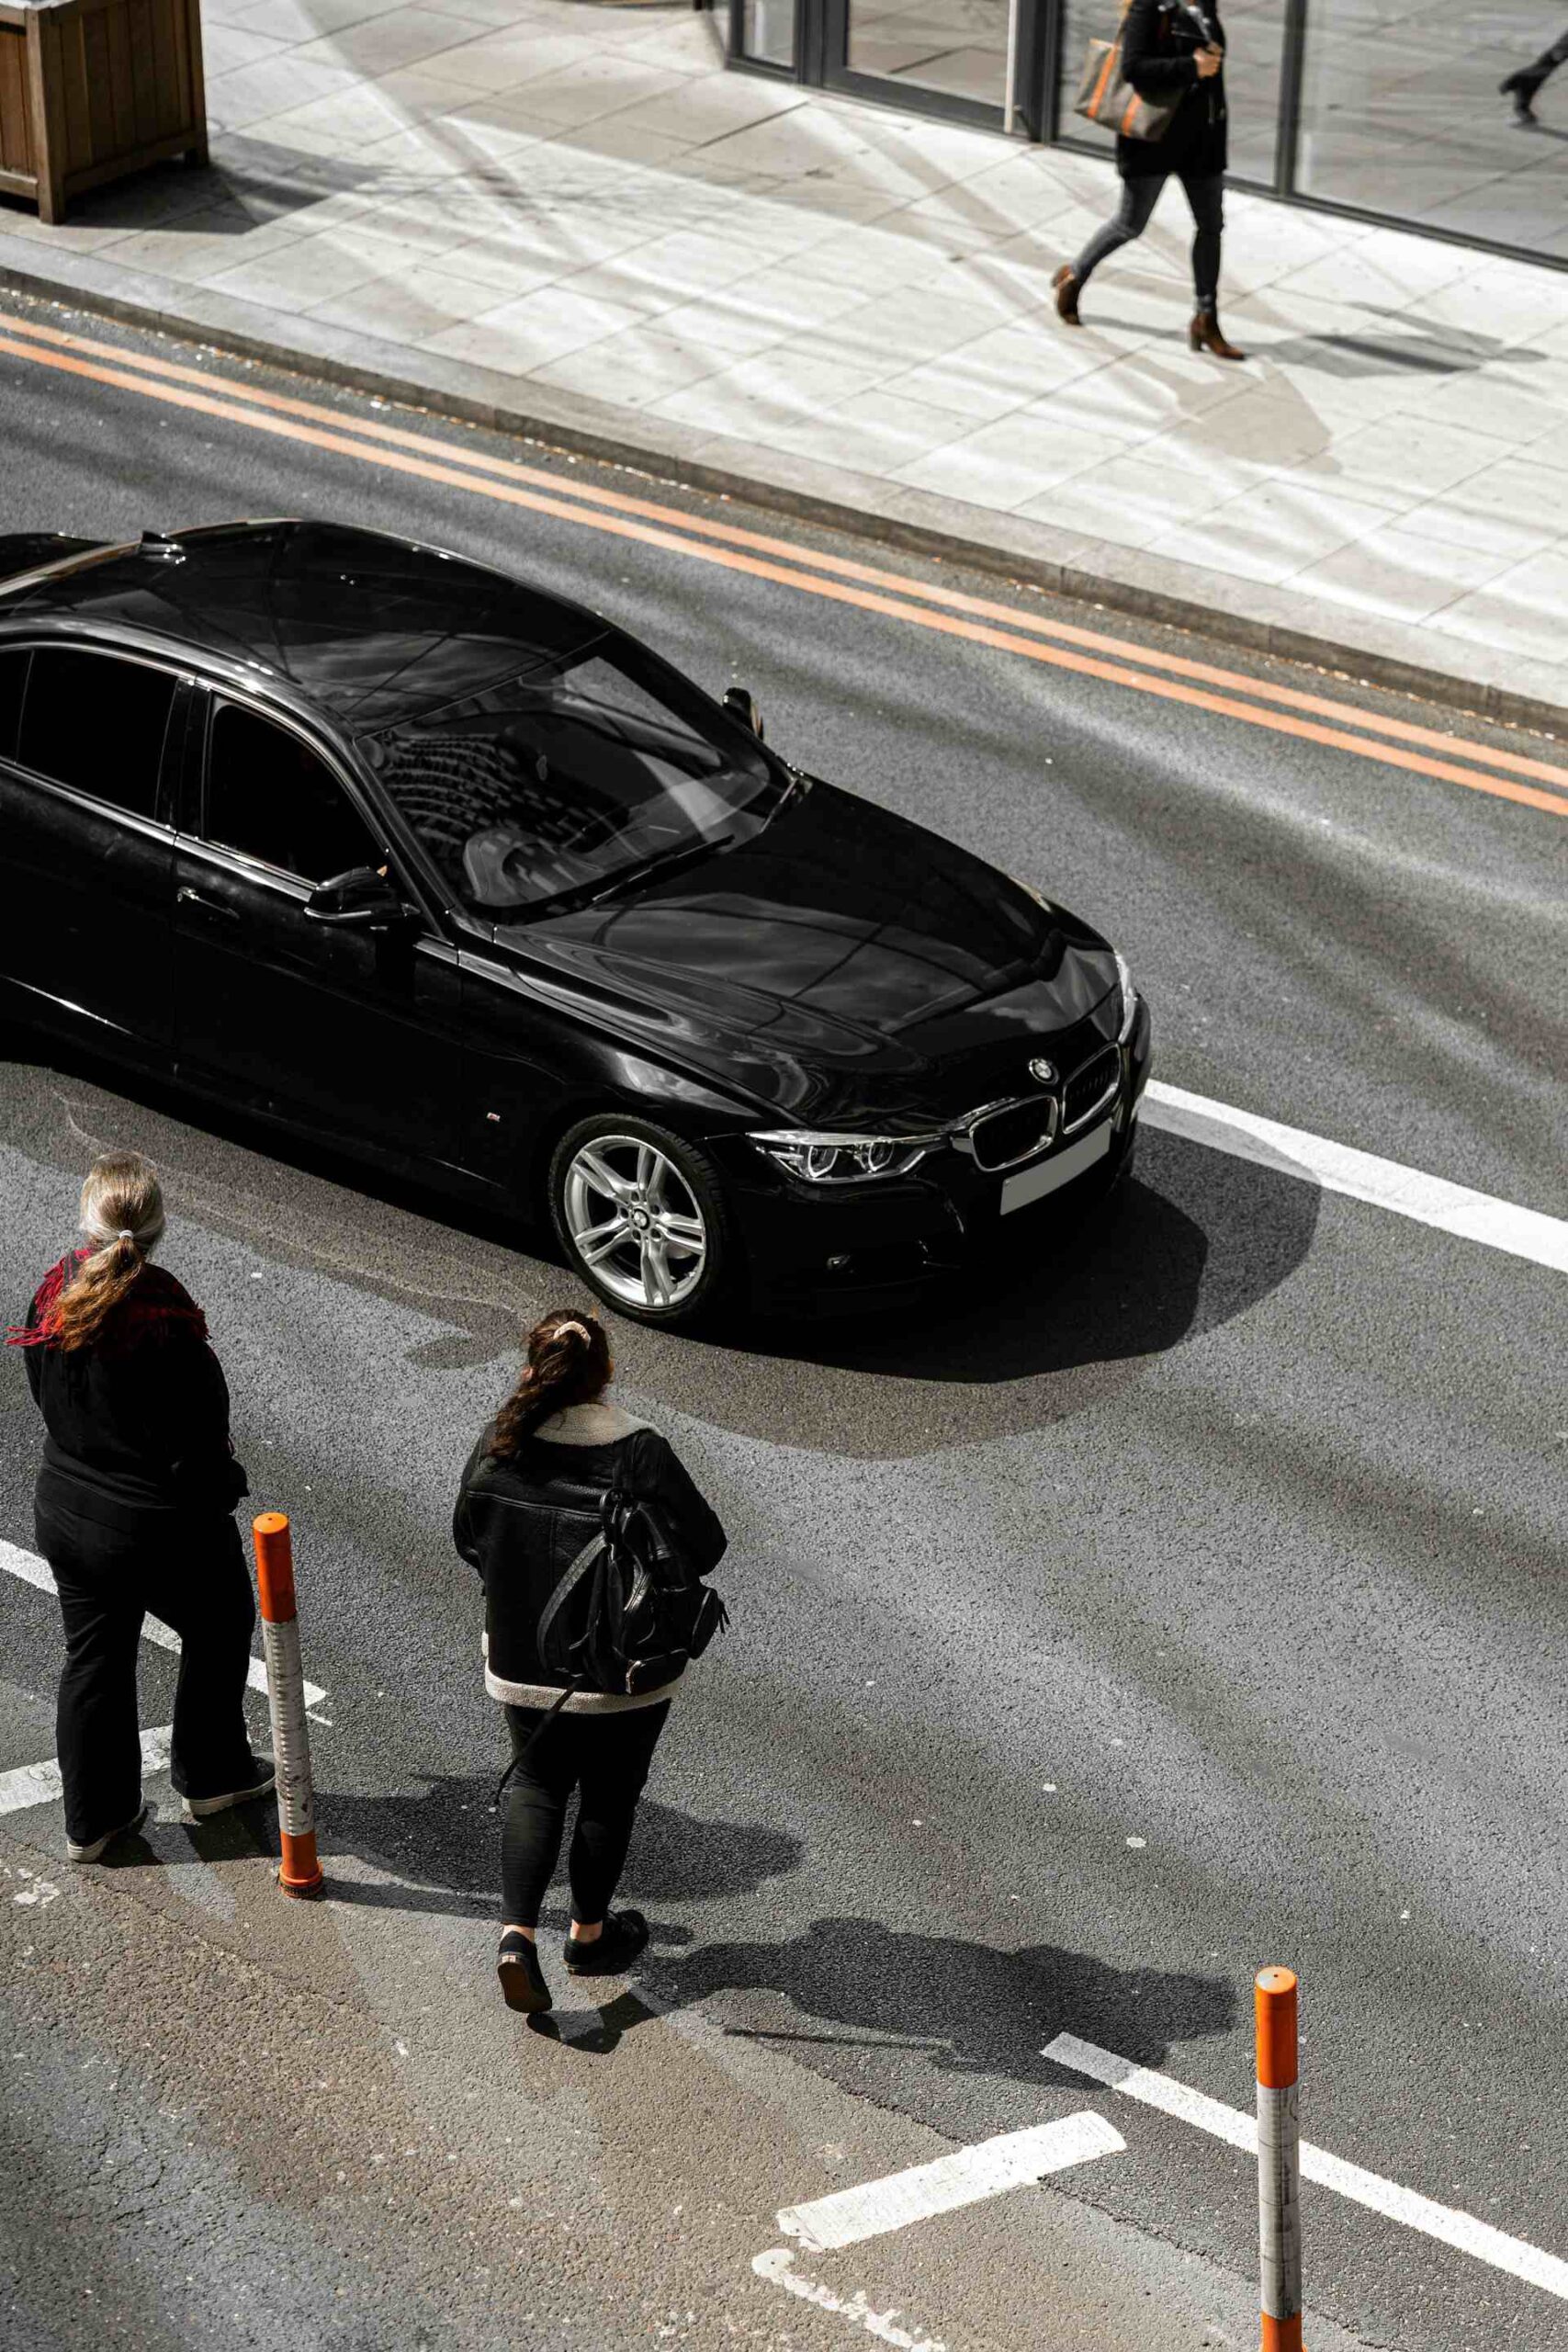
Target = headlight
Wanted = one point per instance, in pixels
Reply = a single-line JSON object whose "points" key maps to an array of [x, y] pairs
{"points": [[840, 1159], [1129, 999]]}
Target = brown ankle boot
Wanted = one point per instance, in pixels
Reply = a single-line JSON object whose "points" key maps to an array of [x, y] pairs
{"points": [[1204, 334], [1067, 286]]}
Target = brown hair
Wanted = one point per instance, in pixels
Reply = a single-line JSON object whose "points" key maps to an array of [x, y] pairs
{"points": [[569, 1363], [122, 1217]]}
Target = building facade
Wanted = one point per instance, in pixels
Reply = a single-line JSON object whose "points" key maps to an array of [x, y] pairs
{"points": [[1371, 108]]}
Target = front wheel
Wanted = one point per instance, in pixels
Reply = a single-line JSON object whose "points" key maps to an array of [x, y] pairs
{"points": [[641, 1216]]}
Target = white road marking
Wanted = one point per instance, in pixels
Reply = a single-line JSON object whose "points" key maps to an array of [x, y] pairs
{"points": [[31, 1570], [1337, 1168], [776, 2266], [1462, 2231], [963, 2179], [32, 1785]]}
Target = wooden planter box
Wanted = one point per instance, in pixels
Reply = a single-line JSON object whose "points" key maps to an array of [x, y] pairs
{"points": [[92, 89]]}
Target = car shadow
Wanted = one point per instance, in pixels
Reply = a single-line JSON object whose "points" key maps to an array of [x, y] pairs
{"points": [[1061, 1315]]}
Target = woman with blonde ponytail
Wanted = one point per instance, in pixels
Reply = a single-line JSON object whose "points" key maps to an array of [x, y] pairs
{"points": [[135, 1512]]}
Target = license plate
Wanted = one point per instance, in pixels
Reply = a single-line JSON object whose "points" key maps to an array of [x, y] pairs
{"points": [[1034, 1183]]}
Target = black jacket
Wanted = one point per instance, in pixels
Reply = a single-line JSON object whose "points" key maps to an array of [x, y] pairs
{"points": [[137, 1419], [521, 1523], [1159, 55]]}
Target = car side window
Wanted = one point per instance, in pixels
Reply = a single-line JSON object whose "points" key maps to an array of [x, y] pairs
{"points": [[270, 797], [97, 722], [13, 678]]}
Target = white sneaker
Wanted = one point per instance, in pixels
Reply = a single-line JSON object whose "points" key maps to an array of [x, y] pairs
{"points": [[198, 1808], [91, 1853]]}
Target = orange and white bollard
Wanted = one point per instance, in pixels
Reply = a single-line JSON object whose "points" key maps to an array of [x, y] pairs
{"points": [[299, 1872], [1279, 2161]]}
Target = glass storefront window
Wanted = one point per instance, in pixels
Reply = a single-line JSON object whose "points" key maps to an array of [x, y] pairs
{"points": [[1401, 114], [767, 31], [956, 47]]}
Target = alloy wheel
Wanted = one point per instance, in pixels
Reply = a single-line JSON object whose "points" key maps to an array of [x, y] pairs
{"points": [[634, 1222]]}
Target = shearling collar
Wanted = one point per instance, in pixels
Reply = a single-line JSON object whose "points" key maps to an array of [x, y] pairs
{"points": [[600, 1424]]}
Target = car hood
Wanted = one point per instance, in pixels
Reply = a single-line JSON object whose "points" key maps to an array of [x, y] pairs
{"points": [[842, 962]]}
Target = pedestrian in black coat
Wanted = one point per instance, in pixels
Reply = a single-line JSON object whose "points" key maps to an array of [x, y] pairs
{"points": [[540, 1468], [1170, 49], [133, 1509]]}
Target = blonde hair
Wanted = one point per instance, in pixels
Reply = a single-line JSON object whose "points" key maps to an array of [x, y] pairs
{"points": [[122, 1217]]}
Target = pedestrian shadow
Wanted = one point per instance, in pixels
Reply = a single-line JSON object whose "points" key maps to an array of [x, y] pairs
{"points": [[971, 2008], [442, 1851]]}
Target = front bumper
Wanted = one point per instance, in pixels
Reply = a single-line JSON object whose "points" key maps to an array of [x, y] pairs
{"points": [[807, 1245]]}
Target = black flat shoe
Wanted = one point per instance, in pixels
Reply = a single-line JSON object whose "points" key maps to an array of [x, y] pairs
{"points": [[521, 1979], [620, 1939]]}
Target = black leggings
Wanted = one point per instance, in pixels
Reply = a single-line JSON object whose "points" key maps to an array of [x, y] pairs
{"points": [[1205, 192], [189, 1571], [606, 1757]]}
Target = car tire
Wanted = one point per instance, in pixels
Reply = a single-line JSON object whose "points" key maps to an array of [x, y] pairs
{"points": [[637, 1210]]}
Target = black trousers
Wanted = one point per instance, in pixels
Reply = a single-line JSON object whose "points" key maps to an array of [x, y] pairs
{"points": [[1532, 76], [1205, 192], [189, 1570], [606, 1758]]}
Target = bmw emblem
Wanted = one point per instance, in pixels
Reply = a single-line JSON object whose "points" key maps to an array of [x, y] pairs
{"points": [[1043, 1070]]}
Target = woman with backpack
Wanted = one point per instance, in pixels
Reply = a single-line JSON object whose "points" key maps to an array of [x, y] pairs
{"points": [[134, 1510], [591, 1540]]}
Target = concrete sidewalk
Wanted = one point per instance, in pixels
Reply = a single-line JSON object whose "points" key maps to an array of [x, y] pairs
{"points": [[570, 217]]}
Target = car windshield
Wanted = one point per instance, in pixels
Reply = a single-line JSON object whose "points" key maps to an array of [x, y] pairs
{"points": [[581, 768]]}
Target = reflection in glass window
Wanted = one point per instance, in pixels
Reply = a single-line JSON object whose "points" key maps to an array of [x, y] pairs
{"points": [[97, 722], [570, 774], [957, 46], [767, 31], [271, 798], [1403, 115]]}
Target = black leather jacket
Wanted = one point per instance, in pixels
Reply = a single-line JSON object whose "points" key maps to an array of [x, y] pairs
{"points": [[522, 1523]]}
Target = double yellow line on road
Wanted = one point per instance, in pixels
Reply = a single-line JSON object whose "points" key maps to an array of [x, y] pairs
{"points": [[1010, 628]]}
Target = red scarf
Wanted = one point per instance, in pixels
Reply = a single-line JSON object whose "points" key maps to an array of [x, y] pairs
{"points": [[156, 1307]]}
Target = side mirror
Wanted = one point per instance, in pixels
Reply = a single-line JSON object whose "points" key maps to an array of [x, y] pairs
{"points": [[742, 703], [361, 900]]}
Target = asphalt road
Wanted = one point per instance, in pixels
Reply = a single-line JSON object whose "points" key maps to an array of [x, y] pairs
{"points": [[1184, 1599]]}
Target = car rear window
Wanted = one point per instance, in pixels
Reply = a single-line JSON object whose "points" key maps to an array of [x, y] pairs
{"points": [[97, 722]]}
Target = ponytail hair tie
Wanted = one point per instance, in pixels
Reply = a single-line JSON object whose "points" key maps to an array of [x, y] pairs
{"points": [[581, 1329], [125, 1234]]}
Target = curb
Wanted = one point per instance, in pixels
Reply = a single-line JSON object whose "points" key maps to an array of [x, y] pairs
{"points": [[618, 443]]}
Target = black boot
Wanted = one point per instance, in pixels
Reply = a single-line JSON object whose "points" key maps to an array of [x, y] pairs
{"points": [[618, 1942], [522, 1978], [1521, 87]]}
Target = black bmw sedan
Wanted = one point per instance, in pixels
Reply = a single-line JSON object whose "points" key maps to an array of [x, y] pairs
{"points": [[386, 846]]}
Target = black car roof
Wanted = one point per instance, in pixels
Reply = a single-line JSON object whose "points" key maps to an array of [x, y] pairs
{"points": [[372, 628]]}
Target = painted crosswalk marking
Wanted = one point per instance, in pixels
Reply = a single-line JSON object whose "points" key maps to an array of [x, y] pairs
{"points": [[1462, 2230], [32, 1785], [964, 2178], [29, 1570]]}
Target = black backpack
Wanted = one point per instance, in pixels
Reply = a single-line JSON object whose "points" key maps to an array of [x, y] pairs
{"points": [[631, 1609]]}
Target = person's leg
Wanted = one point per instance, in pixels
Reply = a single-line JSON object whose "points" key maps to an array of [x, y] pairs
{"points": [[200, 1586], [1205, 196], [97, 1733], [1524, 84], [1130, 220], [615, 1766], [535, 1814]]}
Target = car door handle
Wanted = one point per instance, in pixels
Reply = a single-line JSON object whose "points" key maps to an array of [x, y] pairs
{"points": [[189, 898]]}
